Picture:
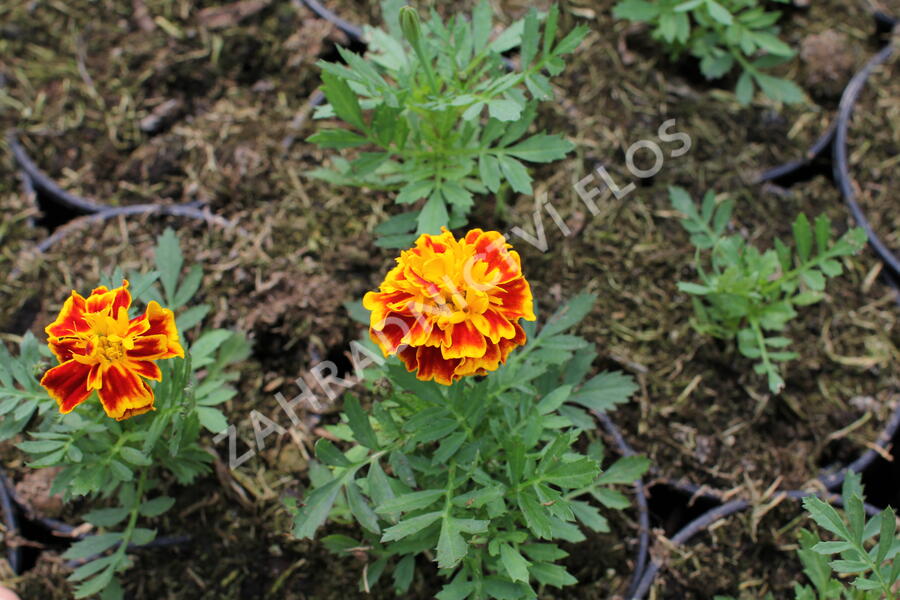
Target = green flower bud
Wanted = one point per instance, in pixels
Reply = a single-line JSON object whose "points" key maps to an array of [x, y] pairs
{"points": [[409, 25]]}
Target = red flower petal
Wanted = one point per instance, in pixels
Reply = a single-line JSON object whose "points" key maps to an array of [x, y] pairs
{"points": [[124, 392], [71, 318], [431, 365], [67, 384], [102, 298], [465, 342], [516, 300], [64, 348], [162, 322], [149, 347]]}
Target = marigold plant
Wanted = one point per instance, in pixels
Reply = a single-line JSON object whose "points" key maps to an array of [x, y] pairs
{"points": [[451, 308], [482, 475], [159, 393], [435, 112]]}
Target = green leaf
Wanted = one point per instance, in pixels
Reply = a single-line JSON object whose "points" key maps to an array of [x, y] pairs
{"points": [[410, 193], [342, 99], [410, 526], [489, 171], [504, 110], [336, 138], [803, 237], [456, 590], [92, 545], [605, 390], [212, 419], [433, 215], [410, 502], [826, 517], [515, 564], [575, 474], [135, 456], [636, 10], [530, 39], [91, 568], [315, 510], [364, 514], [106, 517], [624, 470], [452, 547], [169, 261], [779, 89], [744, 88], [590, 516], [771, 43], [541, 148], [516, 174], [156, 507], [359, 423], [403, 573], [40, 446], [554, 400], [330, 455], [553, 575], [814, 280], [142, 536], [719, 12], [535, 515]]}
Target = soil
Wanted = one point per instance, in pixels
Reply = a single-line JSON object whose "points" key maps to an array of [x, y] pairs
{"points": [[199, 103]]}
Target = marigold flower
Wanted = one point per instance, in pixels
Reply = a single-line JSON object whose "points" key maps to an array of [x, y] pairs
{"points": [[101, 349], [450, 308]]}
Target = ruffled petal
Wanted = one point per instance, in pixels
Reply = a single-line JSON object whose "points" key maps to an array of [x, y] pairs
{"points": [[516, 300], [493, 325], [103, 299], [68, 384], [124, 393], [465, 342], [70, 321], [479, 366], [430, 364], [162, 322]]}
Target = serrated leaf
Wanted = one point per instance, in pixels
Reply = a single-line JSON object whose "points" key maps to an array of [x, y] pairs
{"points": [[410, 502], [410, 526], [541, 148]]}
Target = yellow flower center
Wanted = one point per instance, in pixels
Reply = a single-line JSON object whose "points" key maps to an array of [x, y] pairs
{"points": [[111, 347], [109, 338]]}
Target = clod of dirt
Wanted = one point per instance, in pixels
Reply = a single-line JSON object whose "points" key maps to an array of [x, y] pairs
{"points": [[34, 492], [829, 61]]}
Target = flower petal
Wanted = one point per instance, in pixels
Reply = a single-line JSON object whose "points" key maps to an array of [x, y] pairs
{"points": [[149, 347], [102, 299], [431, 364], [71, 318], [465, 342], [516, 300], [67, 384], [124, 393], [162, 322], [65, 348]]}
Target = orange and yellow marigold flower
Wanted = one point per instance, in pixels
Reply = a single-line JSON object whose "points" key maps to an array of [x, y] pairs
{"points": [[451, 308], [100, 348]]}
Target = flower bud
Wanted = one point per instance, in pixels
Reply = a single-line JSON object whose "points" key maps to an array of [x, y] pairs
{"points": [[409, 24]]}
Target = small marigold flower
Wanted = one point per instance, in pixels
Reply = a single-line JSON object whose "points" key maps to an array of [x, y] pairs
{"points": [[450, 308], [101, 349]]}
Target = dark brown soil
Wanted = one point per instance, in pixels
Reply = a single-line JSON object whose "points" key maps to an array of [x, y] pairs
{"points": [[225, 110]]}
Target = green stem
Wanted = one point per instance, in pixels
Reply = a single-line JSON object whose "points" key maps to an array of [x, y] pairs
{"points": [[134, 513]]}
